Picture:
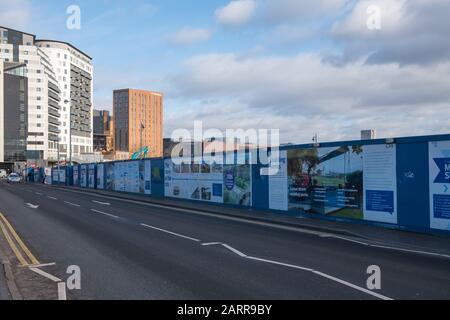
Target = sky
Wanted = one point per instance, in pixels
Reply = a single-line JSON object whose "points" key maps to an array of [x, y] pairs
{"points": [[300, 66]]}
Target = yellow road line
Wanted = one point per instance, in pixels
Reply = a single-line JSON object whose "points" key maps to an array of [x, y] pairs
{"points": [[13, 246], [19, 241]]}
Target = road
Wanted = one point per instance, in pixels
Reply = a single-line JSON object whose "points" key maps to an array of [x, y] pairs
{"points": [[131, 250]]}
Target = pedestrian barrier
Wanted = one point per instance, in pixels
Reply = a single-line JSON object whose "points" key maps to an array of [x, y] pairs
{"points": [[399, 183]]}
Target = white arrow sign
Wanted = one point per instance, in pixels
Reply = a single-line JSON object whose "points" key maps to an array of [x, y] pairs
{"points": [[32, 206]]}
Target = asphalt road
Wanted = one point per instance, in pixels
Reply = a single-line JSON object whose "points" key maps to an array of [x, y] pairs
{"points": [[129, 250]]}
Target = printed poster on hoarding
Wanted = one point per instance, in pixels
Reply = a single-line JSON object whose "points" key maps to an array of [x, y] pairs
{"points": [[326, 181], [237, 183], [126, 176], [358, 182], [439, 158], [380, 183], [100, 176], [147, 177], [83, 176], [92, 176], [75, 176], [62, 176], [109, 176], [278, 188], [198, 179]]}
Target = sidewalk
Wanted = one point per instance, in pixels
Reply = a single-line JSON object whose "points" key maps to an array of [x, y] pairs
{"points": [[4, 291], [366, 234]]}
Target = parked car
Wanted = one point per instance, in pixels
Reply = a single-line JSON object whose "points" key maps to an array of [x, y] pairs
{"points": [[14, 178], [3, 174]]}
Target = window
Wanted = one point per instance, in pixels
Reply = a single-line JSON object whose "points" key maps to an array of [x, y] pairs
{"points": [[38, 107]]}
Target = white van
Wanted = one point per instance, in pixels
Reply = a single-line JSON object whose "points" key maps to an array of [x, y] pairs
{"points": [[3, 174]]}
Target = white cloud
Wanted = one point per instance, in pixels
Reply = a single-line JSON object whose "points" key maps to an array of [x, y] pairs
{"points": [[188, 36], [412, 32], [303, 95], [15, 14], [236, 13], [282, 11]]}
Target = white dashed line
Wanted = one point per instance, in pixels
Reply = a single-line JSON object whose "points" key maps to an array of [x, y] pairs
{"points": [[101, 203], [53, 198], [105, 214], [72, 204]]}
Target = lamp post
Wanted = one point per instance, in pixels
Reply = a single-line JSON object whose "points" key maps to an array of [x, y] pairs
{"points": [[142, 129], [70, 132]]}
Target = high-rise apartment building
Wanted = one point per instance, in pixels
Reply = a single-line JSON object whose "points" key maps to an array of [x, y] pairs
{"points": [[103, 131], [13, 113], [74, 72], [44, 100], [138, 116]]}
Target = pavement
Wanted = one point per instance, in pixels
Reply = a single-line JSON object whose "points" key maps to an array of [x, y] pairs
{"points": [[4, 291], [127, 248]]}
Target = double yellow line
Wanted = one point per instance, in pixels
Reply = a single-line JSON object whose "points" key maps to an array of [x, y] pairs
{"points": [[15, 243]]}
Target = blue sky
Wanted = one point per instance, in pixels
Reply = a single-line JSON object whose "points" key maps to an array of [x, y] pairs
{"points": [[302, 66]]}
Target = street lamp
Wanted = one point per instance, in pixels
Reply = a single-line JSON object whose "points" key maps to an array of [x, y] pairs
{"points": [[142, 129], [70, 132]]}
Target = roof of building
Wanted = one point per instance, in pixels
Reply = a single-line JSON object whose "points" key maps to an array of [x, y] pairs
{"points": [[140, 90], [29, 34], [66, 43]]}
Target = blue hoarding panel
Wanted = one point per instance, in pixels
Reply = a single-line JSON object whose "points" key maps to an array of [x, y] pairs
{"points": [[413, 186]]}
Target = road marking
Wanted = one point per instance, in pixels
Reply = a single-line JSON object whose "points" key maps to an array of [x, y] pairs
{"points": [[170, 232], [207, 214], [13, 246], [102, 203], [42, 265], [72, 204], [293, 266], [19, 241], [53, 198], [281, 264], [62, 296], [260, 223], [32, 206], [106, 214], [348, 284], [243, 255], [387, 247], [39, 194], [45, 274]]}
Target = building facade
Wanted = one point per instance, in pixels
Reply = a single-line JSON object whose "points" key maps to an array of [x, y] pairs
{"points": [[103, 131], [74, 73], [138, 116], [13, 113], [44, 100]]}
